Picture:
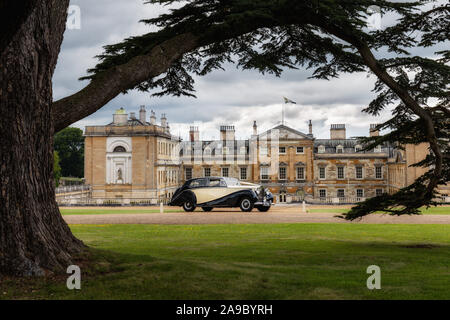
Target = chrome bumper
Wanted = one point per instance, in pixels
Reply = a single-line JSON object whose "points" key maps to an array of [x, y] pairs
{"points": [[264, 203]]}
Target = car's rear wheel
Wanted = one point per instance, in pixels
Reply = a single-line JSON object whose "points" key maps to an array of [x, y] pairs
{"points": [[189, 206], [246, 204], [207, 209]]}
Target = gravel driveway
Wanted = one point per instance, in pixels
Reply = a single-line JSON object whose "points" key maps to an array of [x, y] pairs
{"points": [[277, 214]]}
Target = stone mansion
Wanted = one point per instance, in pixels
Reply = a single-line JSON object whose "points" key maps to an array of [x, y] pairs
{"points": [[136, 158]]}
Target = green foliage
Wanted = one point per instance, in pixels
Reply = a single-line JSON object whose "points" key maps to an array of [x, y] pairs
{"points": [[69, 143], [56, 168], [326, 36]]}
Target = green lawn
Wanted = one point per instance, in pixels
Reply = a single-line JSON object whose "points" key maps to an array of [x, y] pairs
{"points": [[68, 212], [431, 210], [282, 261]]}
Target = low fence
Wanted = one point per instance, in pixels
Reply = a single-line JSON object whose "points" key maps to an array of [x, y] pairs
{"points": [[334, 200], [71, 189], [109, 202]]}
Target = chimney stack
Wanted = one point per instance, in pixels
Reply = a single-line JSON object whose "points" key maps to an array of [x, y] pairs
{"points": [[337, 132], [163, 120], [255, 129], [194, 134], [373, 130], [132, 115], [120, 117], [310, 128], [152, 118], [143, 115], [227, 133]]}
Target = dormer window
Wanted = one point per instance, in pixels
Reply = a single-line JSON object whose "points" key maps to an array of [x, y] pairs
{"points": [[321, 149], [207, 151], [339, 149]]}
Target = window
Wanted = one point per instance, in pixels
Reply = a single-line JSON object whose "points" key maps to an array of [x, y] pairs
{"points": [[339, 149], [264, 173], [188, 173], [321, 149], [300, 173], [225, 172], [359, 172], [207, 151], [282, 150], [119, 149], [359, 193], [263, 151], [207, 172], [341, 193], [377, 149], [217, 183], [243, 150], [322, 193], [300, 150], [358, 148], [225, 150], [198, 183], [379, 172], [321, 172], [282, 173], [378, 192], [340, 172], [243, 173]]}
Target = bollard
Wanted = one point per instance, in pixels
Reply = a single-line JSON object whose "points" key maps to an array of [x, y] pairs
{"points": [[304, 207], [161, 208]]}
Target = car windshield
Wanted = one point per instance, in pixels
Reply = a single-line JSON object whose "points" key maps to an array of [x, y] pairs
{"points": [[232, 182]]}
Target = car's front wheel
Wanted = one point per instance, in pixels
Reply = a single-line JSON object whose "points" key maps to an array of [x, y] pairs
{"points": [[189, 206], [246, 204]]}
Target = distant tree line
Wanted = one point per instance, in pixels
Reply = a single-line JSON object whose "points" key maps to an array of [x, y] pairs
{"points": [[69, 145]]}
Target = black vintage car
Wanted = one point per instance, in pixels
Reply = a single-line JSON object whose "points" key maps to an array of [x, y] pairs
{"points": [[220, 192]]}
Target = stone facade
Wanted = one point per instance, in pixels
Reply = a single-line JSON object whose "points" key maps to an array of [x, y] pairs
{"points": [[131, 158]]}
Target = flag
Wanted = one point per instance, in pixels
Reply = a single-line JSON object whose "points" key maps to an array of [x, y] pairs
{"points": [[286, 100]]}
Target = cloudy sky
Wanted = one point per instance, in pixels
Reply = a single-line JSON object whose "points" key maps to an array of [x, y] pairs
{"points": [[223, 97]]}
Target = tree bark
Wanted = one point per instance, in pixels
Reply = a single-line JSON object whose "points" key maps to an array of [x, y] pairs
{"points": [[33, 235]]}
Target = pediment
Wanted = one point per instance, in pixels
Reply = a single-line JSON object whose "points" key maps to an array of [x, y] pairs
{"points": [[285, 133]]}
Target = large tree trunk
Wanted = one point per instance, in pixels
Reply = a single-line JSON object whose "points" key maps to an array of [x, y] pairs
{"points": [[33, 236]]}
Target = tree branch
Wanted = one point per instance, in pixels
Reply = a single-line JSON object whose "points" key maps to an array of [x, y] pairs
{"points": [[114, 81], [404, 96]]}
